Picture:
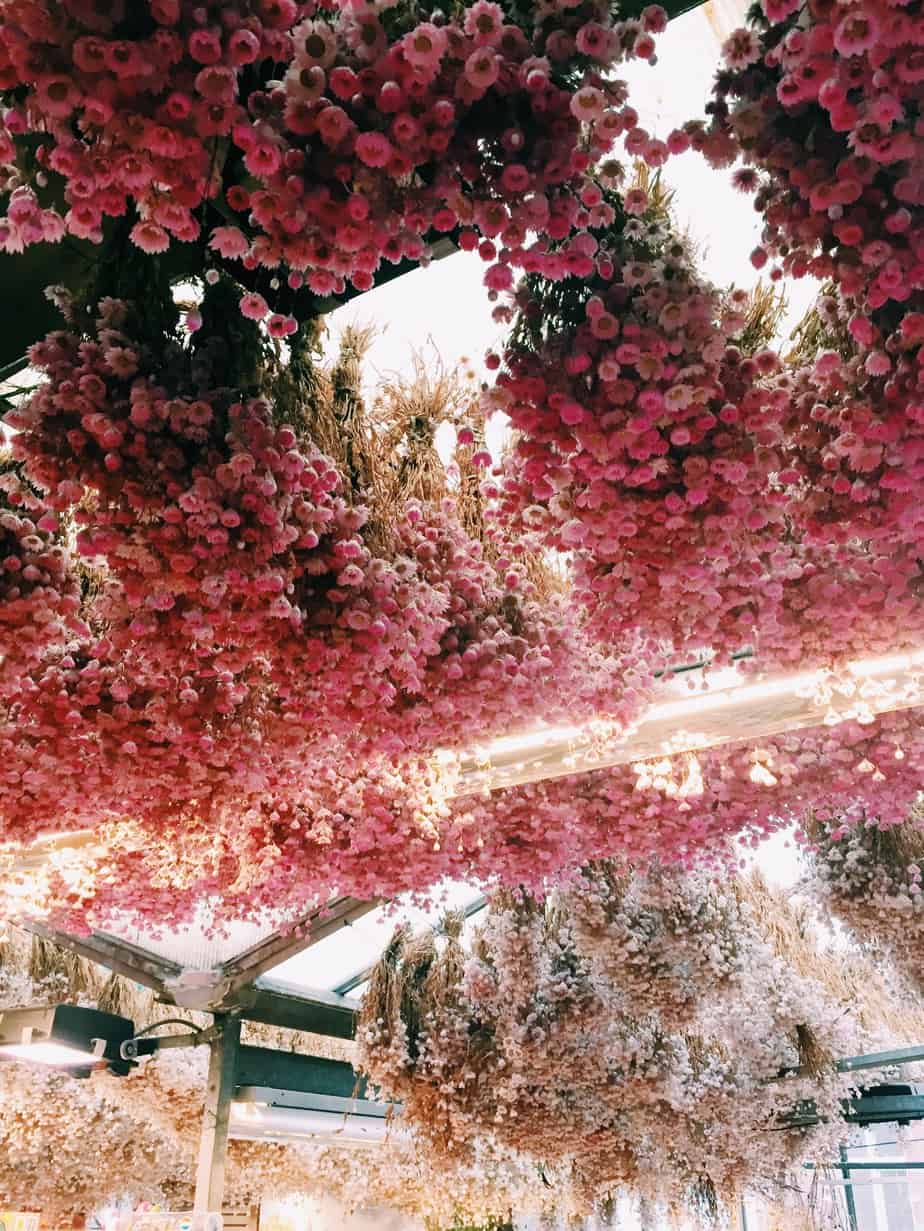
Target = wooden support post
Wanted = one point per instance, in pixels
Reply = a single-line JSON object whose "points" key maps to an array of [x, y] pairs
{"points": [[219, 1090]]}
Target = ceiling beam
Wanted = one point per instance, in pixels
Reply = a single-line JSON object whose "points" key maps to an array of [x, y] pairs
{"points": [[266, 1068], [755, 708], [275, 1003], [882, 1059], [117, 955], [878, 1105]]}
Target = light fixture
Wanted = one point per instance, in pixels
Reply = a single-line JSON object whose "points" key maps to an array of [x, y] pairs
{"points": [[261, 1114], [750, 709], [65, 1036], [252, 1123]]}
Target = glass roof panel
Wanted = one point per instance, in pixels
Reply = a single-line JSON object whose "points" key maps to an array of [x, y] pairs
{"points": [[191, 947], [334, 960]]}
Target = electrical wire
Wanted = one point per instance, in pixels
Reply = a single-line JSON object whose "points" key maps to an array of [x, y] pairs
{"points": [[168, 1021]]}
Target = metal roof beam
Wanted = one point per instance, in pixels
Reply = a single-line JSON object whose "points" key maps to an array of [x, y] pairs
{"points": [[275, 1003], [118, 955], [868, 1108], [326, 920], [284, 1071], [882, 1059]]}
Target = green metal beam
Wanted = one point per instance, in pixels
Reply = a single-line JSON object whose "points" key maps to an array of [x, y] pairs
{"points": [[881, 1166], [848, 1192], [290, 1071], [276, 1003], [121, 956], [881, 1059], [868, 1108]]}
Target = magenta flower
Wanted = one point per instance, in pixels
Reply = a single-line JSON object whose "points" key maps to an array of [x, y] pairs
{"points": [[150, 237], [254, 307]]}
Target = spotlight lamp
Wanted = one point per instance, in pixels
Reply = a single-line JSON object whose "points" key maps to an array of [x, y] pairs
{"points": [[66, 1036]]}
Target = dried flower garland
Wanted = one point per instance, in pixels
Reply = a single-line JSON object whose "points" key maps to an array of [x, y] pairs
{"points": [[869, 876], [579, 1033]]}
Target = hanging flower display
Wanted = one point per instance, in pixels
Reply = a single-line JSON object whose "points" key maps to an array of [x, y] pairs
{"points": [[262, 654], [257, 639], [559, 1033], [869, 875], [277, 828], [708, 498], [317, 140], [853, 440], [823, 101], [645, 445], [258, 615], [39, 593]]}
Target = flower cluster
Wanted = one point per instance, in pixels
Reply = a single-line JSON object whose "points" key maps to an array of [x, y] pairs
{"points": [[39, 593], [854, 445], [709, 497], [869, 875], [690, 951], [844, 83], [646, 443], [259, 657], [559, 1034], [313, 139], [841, 82]]}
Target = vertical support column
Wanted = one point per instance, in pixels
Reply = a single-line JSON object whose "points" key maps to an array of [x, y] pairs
{"points": [[848, 1192], [742, 1214], [219, 1090]]}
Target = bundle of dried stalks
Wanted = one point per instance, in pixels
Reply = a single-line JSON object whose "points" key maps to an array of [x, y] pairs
{"points": [[50, 965], [819, 330], [765, 310], [353, 446], [870, 992], [470, 500], [660, 196], [301, 388], [407, 413]]}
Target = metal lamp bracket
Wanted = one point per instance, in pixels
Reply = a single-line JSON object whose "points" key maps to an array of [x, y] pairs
{"points": [[134, 1048]]}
